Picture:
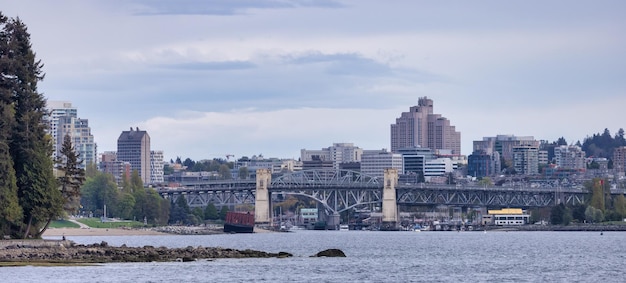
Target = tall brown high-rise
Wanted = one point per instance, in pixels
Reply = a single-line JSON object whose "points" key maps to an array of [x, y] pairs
{"points": [[420, 127], [134, 147]]}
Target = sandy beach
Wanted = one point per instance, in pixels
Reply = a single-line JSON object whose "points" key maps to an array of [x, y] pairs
{"points": [[52, 232]]}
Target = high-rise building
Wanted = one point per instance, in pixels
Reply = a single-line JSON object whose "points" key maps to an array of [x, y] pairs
{"points": [[134, 147], [480, 164], [526, 159], [569, 157], [63, 120], [420, 127], [504, 145], [619, 159], [156, 166]]}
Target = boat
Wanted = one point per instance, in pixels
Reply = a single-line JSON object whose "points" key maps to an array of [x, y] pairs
{"points": [[239, 222], [344, 227]]}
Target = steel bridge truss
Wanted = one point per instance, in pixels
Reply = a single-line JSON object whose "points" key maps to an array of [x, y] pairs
{"points": [[335, 190], [341, 190], [486, 197], [218, 197], [336, 200]]}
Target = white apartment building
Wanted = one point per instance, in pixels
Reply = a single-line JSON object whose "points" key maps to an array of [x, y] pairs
{"points": [[63, 120], [569, 157], [156, 166], [374, 162], [504, 144], [438, 167], [338, 153], [526, 159]]}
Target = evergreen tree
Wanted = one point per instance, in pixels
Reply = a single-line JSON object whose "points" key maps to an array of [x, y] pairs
{"points": [[10, 210], [619, 205], [71, 176], [30, 148], [210, 212], [223, 212]]}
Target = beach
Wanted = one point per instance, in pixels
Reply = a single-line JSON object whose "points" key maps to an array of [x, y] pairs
{"points": [[54, 232]]}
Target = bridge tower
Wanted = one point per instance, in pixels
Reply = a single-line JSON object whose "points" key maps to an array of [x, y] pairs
{"points": [[262, 197], [390, 207]]}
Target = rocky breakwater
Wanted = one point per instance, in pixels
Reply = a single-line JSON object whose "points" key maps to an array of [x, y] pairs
{"points": [[191, 230], [68, 252]]}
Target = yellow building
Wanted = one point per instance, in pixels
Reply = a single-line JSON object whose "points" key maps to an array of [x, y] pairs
{"points": [[508, 216]]}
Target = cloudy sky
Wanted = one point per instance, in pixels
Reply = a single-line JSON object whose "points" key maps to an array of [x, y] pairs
{"points": [[249, 77]]}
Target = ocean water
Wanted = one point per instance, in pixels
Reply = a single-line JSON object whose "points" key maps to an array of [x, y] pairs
{"points": [[371, 257]]}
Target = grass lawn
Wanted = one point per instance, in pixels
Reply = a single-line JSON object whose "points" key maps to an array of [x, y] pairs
{"points": [[63, 224], [96, 223]]}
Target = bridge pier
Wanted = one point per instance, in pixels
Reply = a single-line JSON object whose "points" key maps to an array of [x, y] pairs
{"points": [[262, 215], [390, 206]]}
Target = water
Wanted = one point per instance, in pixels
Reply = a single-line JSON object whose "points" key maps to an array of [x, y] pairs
{"points": [[371, 257]]}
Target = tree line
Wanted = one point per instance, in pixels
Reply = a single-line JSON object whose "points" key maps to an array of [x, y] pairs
{"points": [[130, 201], [601, 206], [135, 202], [603, 145], [31, 196]]}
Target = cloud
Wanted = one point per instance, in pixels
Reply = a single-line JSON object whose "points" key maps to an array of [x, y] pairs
{"points": [[211, 66], [220, 7], [271, 133]]}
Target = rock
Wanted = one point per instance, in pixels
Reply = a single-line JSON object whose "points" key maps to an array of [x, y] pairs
{"points": [[188, 259], [284, 254], [104, 253], [330, 253]]}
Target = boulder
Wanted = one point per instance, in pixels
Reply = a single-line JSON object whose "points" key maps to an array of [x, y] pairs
{"points": [[330, 253]]}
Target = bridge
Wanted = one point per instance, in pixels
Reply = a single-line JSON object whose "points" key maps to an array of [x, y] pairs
{"points": [[341, 190]]}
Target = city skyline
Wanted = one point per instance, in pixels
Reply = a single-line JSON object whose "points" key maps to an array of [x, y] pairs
{"points": [[271, 78]]}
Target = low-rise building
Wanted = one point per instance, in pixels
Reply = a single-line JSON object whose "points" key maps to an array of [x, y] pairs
{"points": [[509, 216]]}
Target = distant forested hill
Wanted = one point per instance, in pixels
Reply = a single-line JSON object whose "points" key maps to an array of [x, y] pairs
{"points": [[603, 145]]}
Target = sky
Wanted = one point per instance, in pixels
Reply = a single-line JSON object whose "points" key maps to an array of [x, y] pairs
{"points": [[208, 79]]}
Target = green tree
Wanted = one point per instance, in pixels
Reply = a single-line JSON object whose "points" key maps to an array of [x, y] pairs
{"points": [[223, 212], [243, 173], [30, 147], [125, 206], [593, 215], [224, 172], [71, 177], [152, 208], [10, 211], [597, 196], [139, 211], [198, 212], [619, 205], [136, 184], [126, 186], [91, 170], [485, 182], [210, 212], [560, 215], [99, 191], [578, 212]]}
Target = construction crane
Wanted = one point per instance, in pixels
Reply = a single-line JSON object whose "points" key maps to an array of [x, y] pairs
{"points": [[228, 156]]}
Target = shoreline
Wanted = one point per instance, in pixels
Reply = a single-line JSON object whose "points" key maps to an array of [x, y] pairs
{"points": [[60, 232]]}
